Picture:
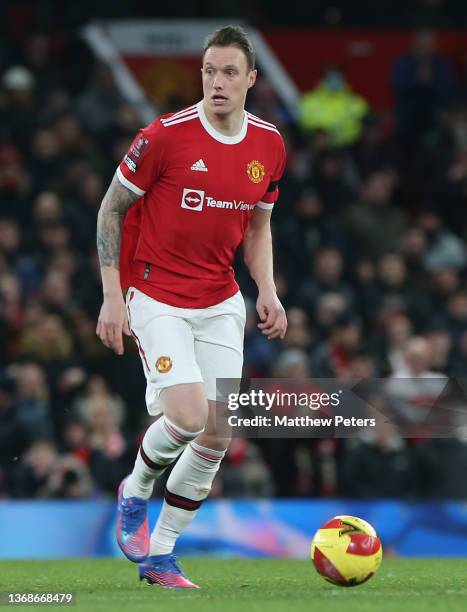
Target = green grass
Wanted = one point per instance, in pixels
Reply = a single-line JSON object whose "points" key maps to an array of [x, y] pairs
{"points": [[401, 585]]}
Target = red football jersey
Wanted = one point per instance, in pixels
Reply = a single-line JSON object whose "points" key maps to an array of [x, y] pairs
{"points": [[198, 190]]}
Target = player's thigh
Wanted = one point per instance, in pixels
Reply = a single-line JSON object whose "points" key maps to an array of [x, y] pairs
{"points": [[166, 346]]}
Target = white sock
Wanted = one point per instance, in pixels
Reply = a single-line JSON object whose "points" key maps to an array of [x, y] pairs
{"points": [[162, 444], [187, 487]]}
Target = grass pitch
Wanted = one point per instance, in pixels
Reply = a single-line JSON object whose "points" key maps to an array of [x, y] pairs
{"points": [[244, 586]]}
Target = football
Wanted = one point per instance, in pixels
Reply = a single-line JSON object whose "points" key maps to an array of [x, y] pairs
{"points": [[346, 551]]}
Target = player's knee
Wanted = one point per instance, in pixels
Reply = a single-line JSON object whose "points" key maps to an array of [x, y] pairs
{"points": [[186, 407], [192, 419], [213, 442]]}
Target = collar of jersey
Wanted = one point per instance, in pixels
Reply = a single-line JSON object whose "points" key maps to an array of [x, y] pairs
{"points": [[218, 135]]}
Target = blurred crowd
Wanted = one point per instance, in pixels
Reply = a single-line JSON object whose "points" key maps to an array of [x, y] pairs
{"points": [[370, 257], [261, 13]]}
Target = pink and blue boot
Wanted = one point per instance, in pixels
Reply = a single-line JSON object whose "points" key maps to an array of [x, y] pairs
{"points": [[164, 570], [132, 528]]}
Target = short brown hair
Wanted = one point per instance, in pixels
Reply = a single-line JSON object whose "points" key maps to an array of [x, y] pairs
{"points": [[232, 36]]}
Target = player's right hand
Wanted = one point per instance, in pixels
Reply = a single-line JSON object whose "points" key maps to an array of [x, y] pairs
{"points": [[112, 323]]}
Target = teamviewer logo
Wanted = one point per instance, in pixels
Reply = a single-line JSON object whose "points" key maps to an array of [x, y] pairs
{"points": [[193, 199]]}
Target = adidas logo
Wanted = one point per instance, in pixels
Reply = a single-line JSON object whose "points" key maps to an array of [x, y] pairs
{"points": [[199, 166]]}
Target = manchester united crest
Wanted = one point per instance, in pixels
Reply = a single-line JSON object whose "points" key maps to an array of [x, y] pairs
{"points": [[164, 364], [255, 171]]}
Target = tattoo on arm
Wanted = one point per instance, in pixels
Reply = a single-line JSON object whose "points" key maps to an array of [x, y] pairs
{"points": [[116, 202]]}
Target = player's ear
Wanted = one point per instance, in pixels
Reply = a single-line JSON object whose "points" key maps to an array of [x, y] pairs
{"points": [[252, 77]]}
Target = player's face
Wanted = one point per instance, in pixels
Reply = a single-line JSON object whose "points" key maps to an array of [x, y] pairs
{"points": [[226, 79]]}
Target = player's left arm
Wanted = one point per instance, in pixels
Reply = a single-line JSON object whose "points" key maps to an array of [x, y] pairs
{"points": [[257, 249]]}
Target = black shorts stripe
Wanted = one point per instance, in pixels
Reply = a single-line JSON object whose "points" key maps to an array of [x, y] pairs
{"points": [[178, 501], [273, 186]]}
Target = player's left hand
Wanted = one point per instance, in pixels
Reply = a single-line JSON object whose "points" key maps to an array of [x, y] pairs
{"points": [[272, 314]]}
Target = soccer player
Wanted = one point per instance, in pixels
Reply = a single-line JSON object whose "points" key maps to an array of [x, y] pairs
{"points": [[193, 187]]}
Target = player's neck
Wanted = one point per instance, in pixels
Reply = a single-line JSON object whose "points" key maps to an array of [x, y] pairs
{"points": [[229, 125]]}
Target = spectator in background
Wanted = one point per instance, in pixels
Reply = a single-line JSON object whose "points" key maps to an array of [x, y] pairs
{"points": [[244, 472], [298, 334], [38, 60], [264, 103], [375, 226], [444, 248], [443, 284], [458, 357], [327, 277], [416, 360], [371, 151], [102, 412], [10, 238], [46, 162], [56, 292], [46, 340], [76, 440], [422, 84], [100, 101], [14, 436], [293, 363], [42, 472], [365, 288], [329, 308], [69, 479], [333, 106], [331, 177], [413, 248], [331, 358], [299, 236], [441, 349], [15, 183], [415, 389], [47, 208], [32, 404], [392, 282], [303, 158], [379, 451], [455, 321], [31, 474], [17, 99], [452, 193], [445, 459], [11, 307], [362, 365], [397, 332]]}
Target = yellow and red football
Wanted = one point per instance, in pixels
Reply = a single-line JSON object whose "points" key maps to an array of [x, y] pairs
{"points": [[346, 551]]}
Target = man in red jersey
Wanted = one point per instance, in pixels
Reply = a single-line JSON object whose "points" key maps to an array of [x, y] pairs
{"points": [[192, 188]]}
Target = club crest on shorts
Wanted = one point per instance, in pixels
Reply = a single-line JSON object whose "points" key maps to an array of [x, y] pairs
{"points": [[164, 364], [255, 171]]}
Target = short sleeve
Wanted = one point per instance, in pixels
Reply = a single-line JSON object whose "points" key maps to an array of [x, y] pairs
{"points": [[141, 165], [272, 192]]}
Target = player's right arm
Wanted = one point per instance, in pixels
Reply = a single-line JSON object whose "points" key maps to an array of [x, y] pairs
{"points": [[113, 319]]}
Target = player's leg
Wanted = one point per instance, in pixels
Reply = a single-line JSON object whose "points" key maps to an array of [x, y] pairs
{"points": [[192, 479], [185, 405], [219, 352], [189, 484], [184, 408], [166, 346]]}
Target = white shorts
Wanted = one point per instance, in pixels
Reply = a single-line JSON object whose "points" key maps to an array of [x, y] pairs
{"points": [[186, 345]]}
